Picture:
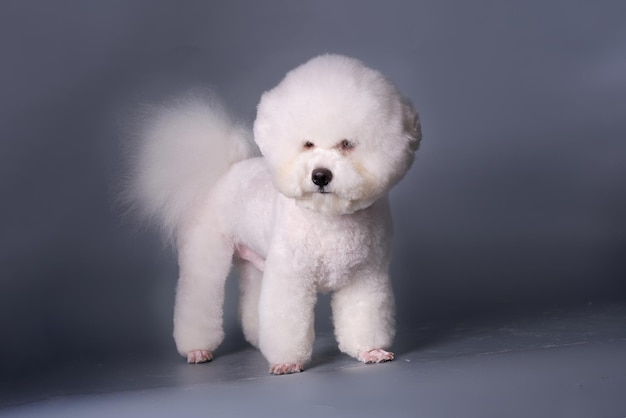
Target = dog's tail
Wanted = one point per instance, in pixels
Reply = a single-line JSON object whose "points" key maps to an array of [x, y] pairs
{"points": [[182, 149]]}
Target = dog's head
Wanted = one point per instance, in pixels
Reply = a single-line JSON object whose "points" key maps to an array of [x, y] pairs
{"points": [[336, 134]]}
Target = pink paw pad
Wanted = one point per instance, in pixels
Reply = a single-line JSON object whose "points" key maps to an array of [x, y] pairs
{"points": [[199, 356], [376, 356], [286, 368]]}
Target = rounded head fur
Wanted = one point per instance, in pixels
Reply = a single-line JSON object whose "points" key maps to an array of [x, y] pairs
{"points": [[336, 134]]}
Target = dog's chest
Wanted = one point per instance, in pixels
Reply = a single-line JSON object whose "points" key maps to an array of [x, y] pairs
{"points": [[332, 251]]}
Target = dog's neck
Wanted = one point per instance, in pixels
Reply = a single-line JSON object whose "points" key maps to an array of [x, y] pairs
{"points": [[329, 204]]}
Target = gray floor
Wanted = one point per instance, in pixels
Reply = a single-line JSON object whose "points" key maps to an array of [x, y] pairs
{"points": [[563, 363]]}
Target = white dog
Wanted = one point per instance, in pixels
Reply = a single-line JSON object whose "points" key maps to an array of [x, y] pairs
{"points": [[309, 216]]}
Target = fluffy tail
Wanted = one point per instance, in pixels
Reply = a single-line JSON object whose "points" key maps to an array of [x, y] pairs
{"points": [[182, 150]]}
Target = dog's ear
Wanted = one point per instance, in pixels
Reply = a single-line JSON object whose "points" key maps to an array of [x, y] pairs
{"points": [[261, 125], [411, 125]]}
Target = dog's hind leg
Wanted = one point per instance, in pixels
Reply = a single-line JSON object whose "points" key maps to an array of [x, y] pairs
{"points": [[250, 286], [205, 258]]}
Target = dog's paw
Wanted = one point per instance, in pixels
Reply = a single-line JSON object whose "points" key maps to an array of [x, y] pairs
{"points": [[376, 356], [286, 368], [199, 356]]}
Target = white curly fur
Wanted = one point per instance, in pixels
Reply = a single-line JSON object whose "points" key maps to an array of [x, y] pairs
{"points": [[291, 237], [183, 147]]}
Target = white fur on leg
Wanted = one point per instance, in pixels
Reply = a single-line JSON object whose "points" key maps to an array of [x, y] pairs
{"points": [[250, 286], [205, 258], [363, 318], [286, 331]]}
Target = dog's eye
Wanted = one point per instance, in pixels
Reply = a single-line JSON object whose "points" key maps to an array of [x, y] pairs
{"points": [[346, 144], [308, 145]]}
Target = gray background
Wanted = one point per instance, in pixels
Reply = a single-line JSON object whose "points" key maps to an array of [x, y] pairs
{"points": [[516, 200]]}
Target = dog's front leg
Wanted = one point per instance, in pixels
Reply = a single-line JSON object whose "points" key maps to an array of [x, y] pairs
{"points": [[363, 314], [286, 316]]}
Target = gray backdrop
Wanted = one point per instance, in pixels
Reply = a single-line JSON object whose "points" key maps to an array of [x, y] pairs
{"points": [[516, 199]]}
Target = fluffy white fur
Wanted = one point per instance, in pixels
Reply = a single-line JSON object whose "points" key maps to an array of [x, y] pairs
{"points": [[291, 234]]}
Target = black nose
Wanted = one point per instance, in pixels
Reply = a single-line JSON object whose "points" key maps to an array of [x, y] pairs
{"points": [[321, 176]]}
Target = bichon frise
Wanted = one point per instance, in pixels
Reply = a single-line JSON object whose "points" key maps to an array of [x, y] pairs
{"points": [[311, 215]]}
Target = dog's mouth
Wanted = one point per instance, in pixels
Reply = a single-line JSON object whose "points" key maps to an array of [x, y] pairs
{"points": [[322, 190]]}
